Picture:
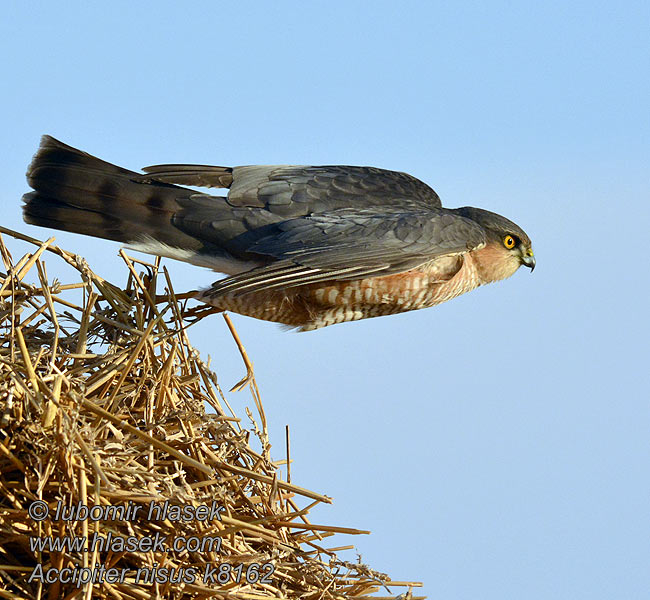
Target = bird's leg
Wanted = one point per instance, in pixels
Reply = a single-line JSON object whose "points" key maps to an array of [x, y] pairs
{"points": [[183, 296], [200, 312]]}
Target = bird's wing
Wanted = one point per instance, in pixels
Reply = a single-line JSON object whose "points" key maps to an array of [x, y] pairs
{"points": [[292, 191], [350, 244]]}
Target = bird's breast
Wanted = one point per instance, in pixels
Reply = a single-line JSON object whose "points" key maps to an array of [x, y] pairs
{"points": [[428, 285], [322, 304]]}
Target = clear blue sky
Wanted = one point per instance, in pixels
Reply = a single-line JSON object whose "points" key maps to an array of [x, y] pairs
{"points": [[497, 445]]}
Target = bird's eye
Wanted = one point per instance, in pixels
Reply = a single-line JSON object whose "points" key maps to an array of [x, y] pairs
{"points": [[509, 242]]}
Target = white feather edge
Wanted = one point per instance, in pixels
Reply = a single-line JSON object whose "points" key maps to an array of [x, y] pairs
{"points": [[222, 264]]}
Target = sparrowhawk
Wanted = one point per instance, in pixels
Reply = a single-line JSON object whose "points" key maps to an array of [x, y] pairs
{"points": [[301, 245]]}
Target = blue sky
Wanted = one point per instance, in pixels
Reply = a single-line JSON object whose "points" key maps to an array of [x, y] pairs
{"points": [[496, 445]]}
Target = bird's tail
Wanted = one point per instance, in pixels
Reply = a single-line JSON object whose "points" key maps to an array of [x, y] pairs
{"points": [[77, 192]]}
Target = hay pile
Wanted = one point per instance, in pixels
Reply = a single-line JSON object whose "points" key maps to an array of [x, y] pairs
{"points": [[102, 410]]}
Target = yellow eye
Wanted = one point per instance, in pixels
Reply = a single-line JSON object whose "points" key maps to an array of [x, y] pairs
{"points": [[509, 242]]}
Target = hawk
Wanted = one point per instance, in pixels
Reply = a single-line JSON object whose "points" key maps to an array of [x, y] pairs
{"points": [[304, 246]]}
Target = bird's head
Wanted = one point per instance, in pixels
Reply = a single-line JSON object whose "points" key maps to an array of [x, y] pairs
{"points": [[507, 246]]}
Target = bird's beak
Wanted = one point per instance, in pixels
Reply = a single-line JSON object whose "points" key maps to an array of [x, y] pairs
{"points": [[528, 259]]}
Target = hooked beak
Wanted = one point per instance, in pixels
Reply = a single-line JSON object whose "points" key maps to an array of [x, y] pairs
{"points": [[528, 259]]}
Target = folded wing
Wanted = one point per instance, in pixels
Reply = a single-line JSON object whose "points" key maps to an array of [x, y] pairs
{"points": [[352, 244]]}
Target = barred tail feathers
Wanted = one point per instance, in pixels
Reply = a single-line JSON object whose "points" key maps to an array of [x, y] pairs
{"points": [[77, 192]]}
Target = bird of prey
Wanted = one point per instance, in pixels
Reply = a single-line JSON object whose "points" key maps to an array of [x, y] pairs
{"points": [[302, 245]]}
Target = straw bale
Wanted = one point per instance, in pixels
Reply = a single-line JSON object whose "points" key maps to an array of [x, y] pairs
{"points": [[103, 408]]}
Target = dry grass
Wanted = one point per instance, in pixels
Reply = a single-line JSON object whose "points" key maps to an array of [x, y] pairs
{"points": [[103, 403]]}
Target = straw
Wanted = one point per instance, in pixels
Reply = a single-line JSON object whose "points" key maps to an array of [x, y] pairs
{"points": [[103, 403]]}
